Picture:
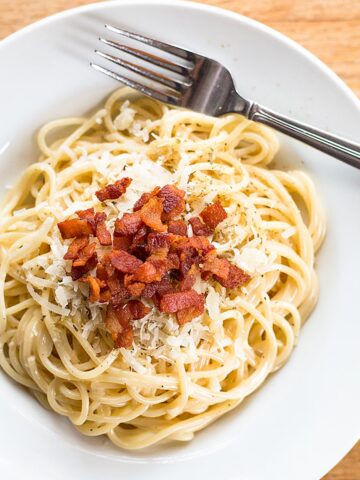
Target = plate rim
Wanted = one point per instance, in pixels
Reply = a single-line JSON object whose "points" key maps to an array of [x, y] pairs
{"points": [[191, 5]]}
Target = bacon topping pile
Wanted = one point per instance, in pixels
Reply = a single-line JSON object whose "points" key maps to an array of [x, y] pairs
{"points": [[149, 257]]}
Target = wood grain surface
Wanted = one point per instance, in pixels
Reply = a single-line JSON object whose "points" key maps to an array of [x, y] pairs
{"points": [[328, 28]]}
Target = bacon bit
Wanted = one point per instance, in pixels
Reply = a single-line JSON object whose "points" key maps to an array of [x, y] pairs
{"points": [[189, 279], [119, 293], [112, 323], [95, 285], [75, 228], [201, 244], [178, 227], [101, 272], [236, 277], [106, 263], [75, 247], [158, 242], [125, 340], [187, 259], [173, 302], [121, 243], [117, 322], [88, 214], [136, 289], [151, 214], [145, 197], [213, 215], [124, 262], [114, 190], [173, 201], [138, 309], [166, 285], [199, 228], [173, 261], [149, 290], [84, 255], [101, 232], [105, 296], [188, 314], [78, 272], [217, 266], [140, 237], [129, 224], [147, 273]]}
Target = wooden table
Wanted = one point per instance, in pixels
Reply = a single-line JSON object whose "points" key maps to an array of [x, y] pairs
{"points": [[328, 28]]}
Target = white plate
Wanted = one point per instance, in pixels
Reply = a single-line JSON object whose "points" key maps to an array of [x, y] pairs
{"points": [[306, 417]]}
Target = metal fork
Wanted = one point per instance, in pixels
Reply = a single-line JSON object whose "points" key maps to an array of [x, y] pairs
{"points": [[204, 85]]}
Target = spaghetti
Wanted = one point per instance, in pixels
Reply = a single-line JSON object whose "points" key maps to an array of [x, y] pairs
{"points": [[175, 379]]}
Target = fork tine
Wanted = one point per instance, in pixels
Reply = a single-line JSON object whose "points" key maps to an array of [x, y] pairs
{"points": [[166, 47], [144, 72], [149, 57], [161, 96]]}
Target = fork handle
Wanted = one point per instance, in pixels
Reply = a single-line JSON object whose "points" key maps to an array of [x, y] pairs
{"points": [[344, 150]]}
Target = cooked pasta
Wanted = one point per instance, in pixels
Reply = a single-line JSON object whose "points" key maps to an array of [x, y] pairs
{"points": [[174, 380]]}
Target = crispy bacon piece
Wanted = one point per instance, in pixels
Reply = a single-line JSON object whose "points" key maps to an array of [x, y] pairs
{"points": [[78, 272], [119, 293], [114, 190], [213, 214], [173, 201], [178, 227], [151, 214], [200, 244], [84, 255], [101, 232], [124, 262], [188, 314], [129, 224], [75, 247], [149, 290], [173, 302], [199, 228], [145, 197], [165, 285], [108, 266], [75, 228], [140, 237], [125, 339], [173, 261], [101, 272], [163, 262], [95, 286], [138, 309], [88, 214], [158, 242], [136, 289], [189, 279], [121, 242], [117, 322], [236, 278], [216, 266], [105, 296], [188, 258], [147, 273]]}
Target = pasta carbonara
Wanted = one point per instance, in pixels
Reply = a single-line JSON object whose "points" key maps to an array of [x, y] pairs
{"points": [[174, 379]]}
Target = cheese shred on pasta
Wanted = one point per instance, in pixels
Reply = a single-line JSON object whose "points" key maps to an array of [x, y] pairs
{"points": [[174, 380]]}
